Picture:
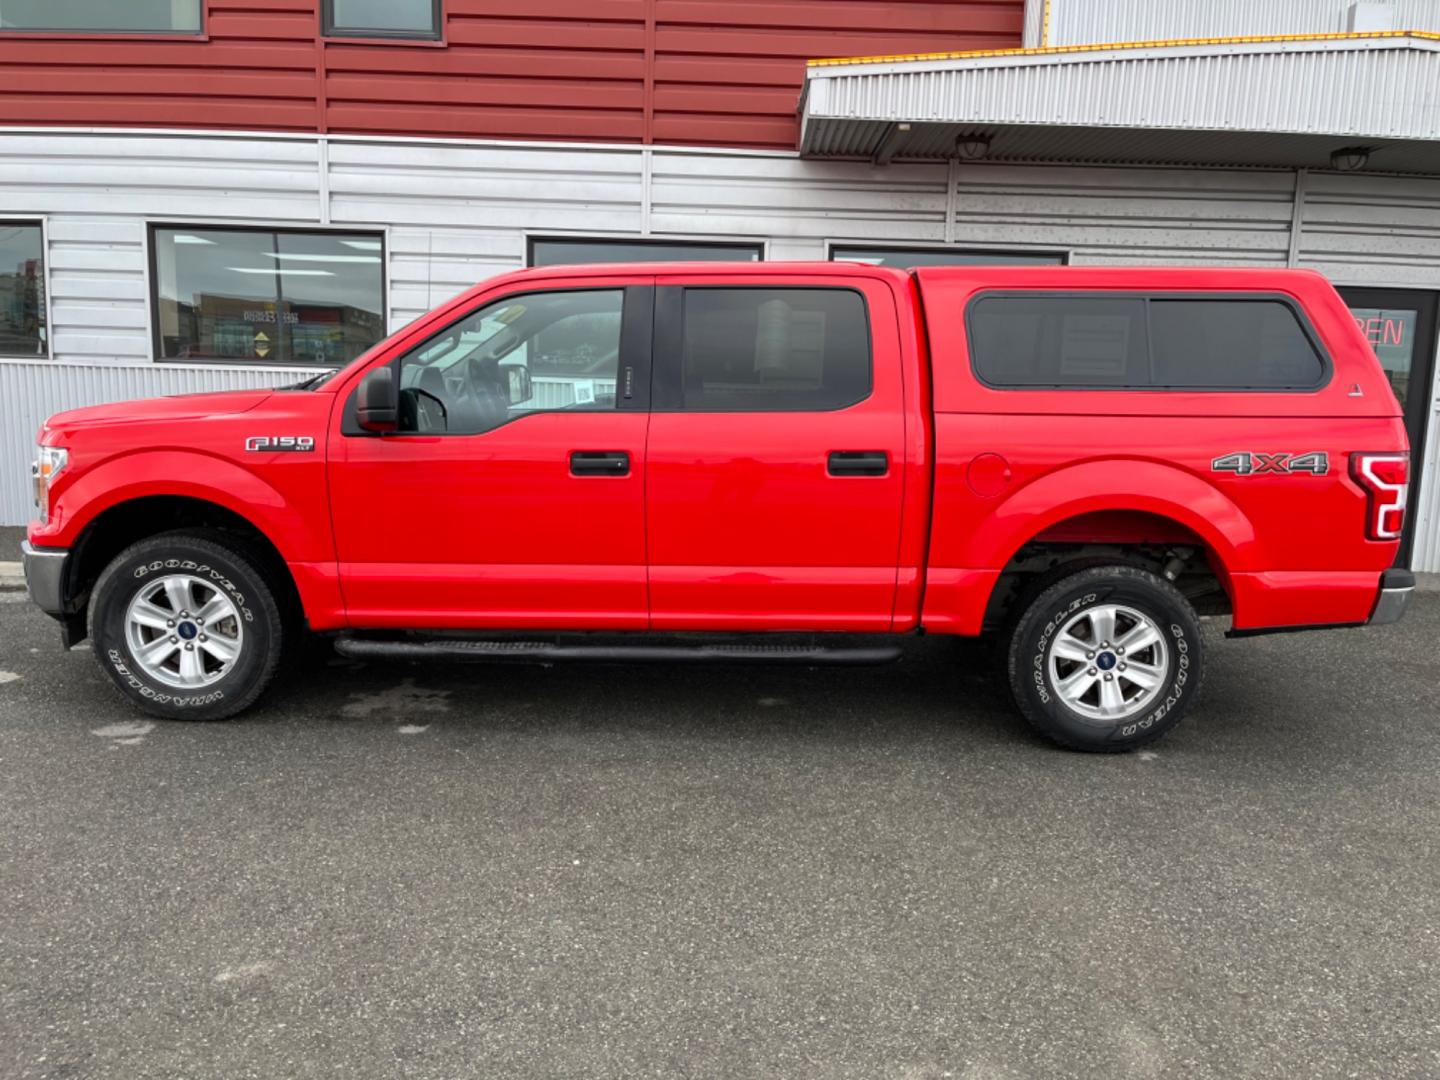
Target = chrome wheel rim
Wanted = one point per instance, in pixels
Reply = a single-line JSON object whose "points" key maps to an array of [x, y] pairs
{"points": [[1109, 662], [183, 631]]}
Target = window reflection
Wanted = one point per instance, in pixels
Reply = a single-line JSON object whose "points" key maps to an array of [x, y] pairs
{"points": [[22, 290], [315, 299]]}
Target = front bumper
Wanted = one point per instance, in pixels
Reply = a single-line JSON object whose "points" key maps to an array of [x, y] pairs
{"points": [[1395, 589], [45, 577]]}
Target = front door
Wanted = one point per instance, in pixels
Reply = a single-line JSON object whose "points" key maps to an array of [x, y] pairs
{"points": [[513, 493], [1400, 326], [776, 458]]}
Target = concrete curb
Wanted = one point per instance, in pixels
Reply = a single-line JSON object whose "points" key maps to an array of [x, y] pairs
{"points": [[1427, 582]]}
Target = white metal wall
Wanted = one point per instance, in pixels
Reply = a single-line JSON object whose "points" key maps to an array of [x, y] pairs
{"points": [[455, 213], [1090, 22]]}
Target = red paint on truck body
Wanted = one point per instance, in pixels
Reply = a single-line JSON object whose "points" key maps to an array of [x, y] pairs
{"points": [[730, 520]]}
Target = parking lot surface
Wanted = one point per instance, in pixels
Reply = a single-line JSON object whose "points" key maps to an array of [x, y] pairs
{"points": [[660, 871]]}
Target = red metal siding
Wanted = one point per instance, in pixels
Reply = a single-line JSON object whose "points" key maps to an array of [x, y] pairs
{"points": [[723, 72]]}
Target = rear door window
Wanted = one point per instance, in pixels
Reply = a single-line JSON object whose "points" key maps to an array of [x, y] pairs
{"points": [[772, 349]]}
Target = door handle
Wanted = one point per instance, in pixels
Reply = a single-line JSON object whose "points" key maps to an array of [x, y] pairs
{"points": [[858, 463], [599, 463]]}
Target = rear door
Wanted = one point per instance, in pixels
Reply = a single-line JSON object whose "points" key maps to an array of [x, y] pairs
{"points": [[774, 467]]}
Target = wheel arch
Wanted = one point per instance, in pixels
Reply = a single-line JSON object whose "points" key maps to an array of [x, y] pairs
{"points": [[127, 521], [1093, 511]]}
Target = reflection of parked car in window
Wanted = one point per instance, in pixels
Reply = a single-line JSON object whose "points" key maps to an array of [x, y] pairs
{"points": [[765, 462]]}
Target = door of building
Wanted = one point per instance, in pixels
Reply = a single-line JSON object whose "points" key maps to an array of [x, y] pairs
{"points": [[1400, 326]]}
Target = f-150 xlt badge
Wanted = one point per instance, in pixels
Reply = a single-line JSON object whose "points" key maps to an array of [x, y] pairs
{"points": [[1244, 463], [280, 444]]}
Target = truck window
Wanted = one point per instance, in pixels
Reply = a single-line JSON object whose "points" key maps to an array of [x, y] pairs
{"points": [[1141, 343], [1059, 341], [468, 378], [1231, 344], [773, 349]]}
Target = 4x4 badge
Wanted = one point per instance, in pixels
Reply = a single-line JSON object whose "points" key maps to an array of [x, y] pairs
{"points": [[1244, 463], [280, 444]]}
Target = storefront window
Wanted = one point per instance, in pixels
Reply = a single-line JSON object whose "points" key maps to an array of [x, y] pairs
{"points": [[267, 296], [382, 18], [102, 16], [561, 252], [22, 290], [904, 258], [1391, 333]]}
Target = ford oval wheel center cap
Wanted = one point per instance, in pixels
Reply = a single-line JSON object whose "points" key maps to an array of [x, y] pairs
{"points": [[1105, 661]]}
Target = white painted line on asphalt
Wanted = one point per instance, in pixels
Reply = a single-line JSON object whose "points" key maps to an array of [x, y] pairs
{"points": [[7, 676], [412, 729]]}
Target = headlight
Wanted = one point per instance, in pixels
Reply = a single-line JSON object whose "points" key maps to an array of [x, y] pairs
{"points": [[49, 460]]}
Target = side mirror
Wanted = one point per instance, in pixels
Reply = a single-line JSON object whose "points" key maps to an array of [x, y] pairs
{"points": [[377, 407], [521, 389]]}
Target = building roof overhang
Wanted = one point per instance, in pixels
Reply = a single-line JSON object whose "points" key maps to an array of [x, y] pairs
{"points": [[1289, 101]]}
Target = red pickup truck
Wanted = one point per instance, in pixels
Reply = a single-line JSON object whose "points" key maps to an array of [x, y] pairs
{"points": [[780, 461]]}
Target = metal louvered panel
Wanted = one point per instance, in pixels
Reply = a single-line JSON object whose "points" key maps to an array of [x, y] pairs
{"points": [[1426, 555], [1091, 22], [33, 390], [1374, 88]]}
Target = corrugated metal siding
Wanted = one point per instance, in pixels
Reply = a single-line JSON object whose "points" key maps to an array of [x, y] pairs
{"points": [[714, 72], [31, 390], [1426, 555], [1382, 88], [1157, 216], [1379, 230], [1090, 22]]}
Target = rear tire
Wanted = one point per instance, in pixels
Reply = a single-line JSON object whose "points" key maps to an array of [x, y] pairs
{"points": [[1106, 660], [187, 626]]}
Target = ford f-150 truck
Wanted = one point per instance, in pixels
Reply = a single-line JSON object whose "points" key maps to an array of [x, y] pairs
{"points": [[774, 461]]}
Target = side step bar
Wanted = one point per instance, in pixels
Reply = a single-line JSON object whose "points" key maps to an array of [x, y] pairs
{"points": [[546, 652]]}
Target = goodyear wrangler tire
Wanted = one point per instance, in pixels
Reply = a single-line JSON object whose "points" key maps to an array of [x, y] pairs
{"points": [[1107, 659], [186, 626]]}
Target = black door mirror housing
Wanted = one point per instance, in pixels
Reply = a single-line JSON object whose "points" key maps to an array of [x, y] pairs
{"points": [[377, 406]]}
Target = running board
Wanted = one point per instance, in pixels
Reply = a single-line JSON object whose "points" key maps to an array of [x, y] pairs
{"points": [[546, 652]]}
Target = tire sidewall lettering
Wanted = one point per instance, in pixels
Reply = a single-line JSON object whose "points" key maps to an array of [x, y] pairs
{"points": [[202, 570], [159, 697]]}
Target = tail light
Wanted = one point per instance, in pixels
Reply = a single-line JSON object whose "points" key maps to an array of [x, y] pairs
{"points": [[1386, 481]]}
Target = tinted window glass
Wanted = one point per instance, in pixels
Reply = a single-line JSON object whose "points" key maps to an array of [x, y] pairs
{"points": [[274, 297], [22, 290], [907, 257], [534, 352], [1231, 344], [122, 16], [568, 252], [385, 18], [754, 350], [1059, 341]]}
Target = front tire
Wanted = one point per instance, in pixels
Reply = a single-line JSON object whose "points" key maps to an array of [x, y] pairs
{"points": [[1107, 659], [186, 626]]}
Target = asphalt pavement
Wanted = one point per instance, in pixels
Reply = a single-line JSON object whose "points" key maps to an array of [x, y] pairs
{"points": [[414, 871]]}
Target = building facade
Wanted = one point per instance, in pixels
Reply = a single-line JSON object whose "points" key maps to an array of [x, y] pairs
{"points": [[203, 194]]}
